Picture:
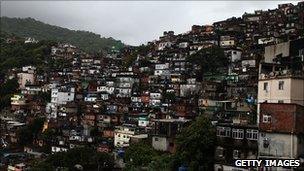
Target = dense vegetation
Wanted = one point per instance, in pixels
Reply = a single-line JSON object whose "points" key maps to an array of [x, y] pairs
{"points": [[18, 54], [139, 155], [85, 157], [130, 58], [7, 89], [30, 132], [29, 27], [195, 150], [210, 60], [195, 144]]}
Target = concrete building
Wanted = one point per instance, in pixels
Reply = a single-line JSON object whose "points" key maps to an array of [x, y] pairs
{"points": [[284, 50], [143, 121], [165, 131], [25, 78], [162, 69], [281, 131], [235, 141], [18, 102], [227, 41], [30, 40], [234, 55], [278, 84], [62, 95], [285, 89], [124, 133]]}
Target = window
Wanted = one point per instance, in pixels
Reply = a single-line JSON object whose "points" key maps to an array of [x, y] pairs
{"points": [[281, 85], [223, 131], [155, 139], [252, 134], [238, 133], [236, 154], [219, 152], [266, 142], [266, 86], [266, 118], [280, 101]]}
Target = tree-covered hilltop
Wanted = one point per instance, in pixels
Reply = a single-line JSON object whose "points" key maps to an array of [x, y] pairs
{"points": [[19, 54], [29, 27]]}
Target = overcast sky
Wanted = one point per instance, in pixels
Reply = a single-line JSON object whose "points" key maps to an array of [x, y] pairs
{"points": [[133, 22]]}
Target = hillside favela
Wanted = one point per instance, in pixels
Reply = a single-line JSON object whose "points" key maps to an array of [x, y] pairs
{"points": [[227, 96]]}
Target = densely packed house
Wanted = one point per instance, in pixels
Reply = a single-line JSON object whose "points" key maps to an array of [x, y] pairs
{"points": [[256, 101]]}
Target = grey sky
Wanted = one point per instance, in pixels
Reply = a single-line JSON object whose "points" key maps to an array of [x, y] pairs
{"points": [[133, 22]]}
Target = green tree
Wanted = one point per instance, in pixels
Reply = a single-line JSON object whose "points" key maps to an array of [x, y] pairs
{"points": [[30, 132], [129, 59], [43, 96], [163, 162], [195, 144], [86, 157], [9, 87], [170, 96], [48, 135], [6, 91], [211, 60], [139, 155], [19, 54]]}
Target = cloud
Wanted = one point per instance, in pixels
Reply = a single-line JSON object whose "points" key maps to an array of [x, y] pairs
{"points": [[133, 22]]}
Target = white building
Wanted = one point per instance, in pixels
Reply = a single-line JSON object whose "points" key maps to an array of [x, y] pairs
{"points": [[32, 89], [281, 90], [143, 121], [163, 45], [18, 99], [59, 96], [29, 69], [30, 40], [227, 41], [187, 89], [62, 95], [25, 78], [124, 133], [90, 98], [183, 45], [57, 149], [234, 54], [104, 96], [162, 72], [267, 40], [162, 69], [161, 66], [106, 88]]}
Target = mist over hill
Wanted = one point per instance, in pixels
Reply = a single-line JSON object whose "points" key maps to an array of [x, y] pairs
{"points": [[29, 27]]}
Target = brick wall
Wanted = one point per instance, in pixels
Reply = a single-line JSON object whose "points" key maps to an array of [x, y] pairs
{"points": [[285, 118]]}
